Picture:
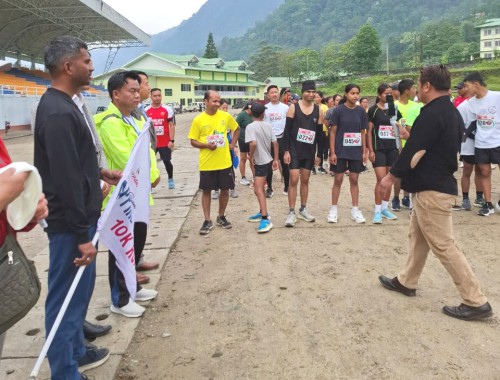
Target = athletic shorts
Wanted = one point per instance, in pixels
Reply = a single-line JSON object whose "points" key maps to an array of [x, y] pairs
{"points": [[244, 147], [165, 153], [303, 163], [355, 166], [217, 179], [468, 158], [487, 156], [262, 170], [385, 158]]}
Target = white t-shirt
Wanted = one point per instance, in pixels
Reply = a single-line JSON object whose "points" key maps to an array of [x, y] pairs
{"points": [[467, 148], [487, 113], [276, 116], [262, 133]]}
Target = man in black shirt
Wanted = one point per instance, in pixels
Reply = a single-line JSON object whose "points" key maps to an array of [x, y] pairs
{"points": [[426, 166]]}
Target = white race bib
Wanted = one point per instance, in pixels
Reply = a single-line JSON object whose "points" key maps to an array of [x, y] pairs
{"points": [[217, 139], [352, 139], [386, 132], [306, 136], [159, 130]]}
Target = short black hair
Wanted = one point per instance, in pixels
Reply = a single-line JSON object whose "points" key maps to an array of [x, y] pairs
{"points": [[438, 76], [405, 84], [60, 48], [271, 86], [475, 76], [155, 89], [140, 73], [119, 80]]}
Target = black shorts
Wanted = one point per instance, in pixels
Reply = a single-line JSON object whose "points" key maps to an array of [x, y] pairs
{"points": [[217, 179], [303, 163], [468, 158], [385, 158], [165, 153], [262, 170], [487, 156], [244, 147], [355, 166]]}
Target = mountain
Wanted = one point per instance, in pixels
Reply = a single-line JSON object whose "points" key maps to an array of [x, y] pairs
{"points": [[314, 23], [221, 17]]}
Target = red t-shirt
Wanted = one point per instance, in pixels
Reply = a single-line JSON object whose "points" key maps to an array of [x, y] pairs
{"points": [[159, 117], [458, 100]]}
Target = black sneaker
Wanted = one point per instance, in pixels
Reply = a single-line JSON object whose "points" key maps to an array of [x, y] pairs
{"points": [[313, 170], [405, 202], [321, 170], [207, 226], [94, 357], [486, 210], [223, 222], [269, 193]]}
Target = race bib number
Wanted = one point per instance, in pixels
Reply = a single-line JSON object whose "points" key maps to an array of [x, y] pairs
{"points": [[159, 130], [352, 139], [306, 136], [485, 122], [217, 139], [386, 132]]}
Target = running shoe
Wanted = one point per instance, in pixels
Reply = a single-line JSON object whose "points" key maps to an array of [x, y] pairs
{"points": [[206, 227], [285, 191], [321, 170], [264, 226], [395, 205], [377, 218], [171, 183], [388, 215], [269, 192], [244, 181], [405, 202], [223, 222], [256, 217], [358, 217], [304, 215], [456, 207], [215, 194], [486, 210], [313, 170], [493, 166], [497, 206], [332, 217], [460, 164], [291, 219], [233, 193], [466, 205], [479, 202]]}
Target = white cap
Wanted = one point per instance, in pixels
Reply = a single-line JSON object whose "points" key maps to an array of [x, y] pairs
{"points": [[5, 66]]}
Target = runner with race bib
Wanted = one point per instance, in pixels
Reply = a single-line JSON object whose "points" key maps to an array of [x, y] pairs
{"points": [[348, 123], [382, 148]]}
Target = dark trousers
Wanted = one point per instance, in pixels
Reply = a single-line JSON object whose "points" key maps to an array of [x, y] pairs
{"points": [[68, 345], [119, 293]]}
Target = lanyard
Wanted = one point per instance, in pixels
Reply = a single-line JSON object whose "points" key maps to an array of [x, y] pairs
{"points": [[130, 121]]}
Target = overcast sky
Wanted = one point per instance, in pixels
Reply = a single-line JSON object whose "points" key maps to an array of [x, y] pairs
{"points": [[154, 16]]}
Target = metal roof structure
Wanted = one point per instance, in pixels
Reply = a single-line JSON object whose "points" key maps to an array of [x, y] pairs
{"points": [[27, 25]]}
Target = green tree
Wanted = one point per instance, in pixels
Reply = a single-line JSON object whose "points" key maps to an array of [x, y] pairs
{"points": [[266, 62], [361, 53], [210, 49]]}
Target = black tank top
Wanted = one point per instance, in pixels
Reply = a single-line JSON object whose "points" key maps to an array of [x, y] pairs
{"points": [[300, 146]]}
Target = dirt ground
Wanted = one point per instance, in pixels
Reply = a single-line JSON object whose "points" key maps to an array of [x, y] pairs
{"points": [[305, 302]]}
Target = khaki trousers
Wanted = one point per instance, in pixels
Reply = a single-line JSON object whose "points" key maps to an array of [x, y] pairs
{"points": [[431, 227]]}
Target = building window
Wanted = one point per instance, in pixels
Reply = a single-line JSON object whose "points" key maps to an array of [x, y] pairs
{"points": [[487, 32], [487, 44], [168, 92], [487, 55], [497, 31], [183, 102], [185, 87]]}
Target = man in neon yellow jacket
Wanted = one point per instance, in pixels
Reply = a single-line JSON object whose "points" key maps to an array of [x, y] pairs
{"points": [[118, 131]]}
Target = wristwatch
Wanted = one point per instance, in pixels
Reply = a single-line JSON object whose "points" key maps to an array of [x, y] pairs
{"points": [[172, 140]]}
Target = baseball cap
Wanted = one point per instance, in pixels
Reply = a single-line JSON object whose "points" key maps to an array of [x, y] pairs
{"points": [[5, 66], [247, 106], [295, 97], [257, 109], [459, 85]]}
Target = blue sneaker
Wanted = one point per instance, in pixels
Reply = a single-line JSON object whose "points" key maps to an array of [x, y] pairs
{"points": [[377, 218], [171, 183], [264, 226], [395, 205], [255, 218], [388, 215], [405, 202]]}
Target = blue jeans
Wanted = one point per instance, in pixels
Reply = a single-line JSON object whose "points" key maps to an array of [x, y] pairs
{"points": [[68, 345]]}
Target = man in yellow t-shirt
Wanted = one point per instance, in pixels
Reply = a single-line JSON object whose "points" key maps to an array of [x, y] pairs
{"points": [[208, 133]]}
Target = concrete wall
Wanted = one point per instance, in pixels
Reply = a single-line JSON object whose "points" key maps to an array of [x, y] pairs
{"points": [[17, 110]]}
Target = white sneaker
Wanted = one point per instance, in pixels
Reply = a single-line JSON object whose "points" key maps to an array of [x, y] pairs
{"points": [[233, 193], [332, 217], [244, 181], [290, 219], [130, 310], [358, 217], [145, 294], [215, 194], [304, 215], [493, 166]]}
